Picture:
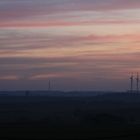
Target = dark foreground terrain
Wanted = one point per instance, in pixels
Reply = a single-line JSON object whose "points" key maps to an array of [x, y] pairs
{"points": [[110, 116]]}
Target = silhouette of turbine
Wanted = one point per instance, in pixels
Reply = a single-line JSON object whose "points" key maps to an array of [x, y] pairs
{"points": [[131, 82], [137, 83]]}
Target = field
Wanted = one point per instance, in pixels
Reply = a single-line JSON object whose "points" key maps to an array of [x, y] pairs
{"points": [[109, 116]]}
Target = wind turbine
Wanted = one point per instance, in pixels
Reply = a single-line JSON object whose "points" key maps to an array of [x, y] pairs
{"points": [[131, 82], [137, 82]]}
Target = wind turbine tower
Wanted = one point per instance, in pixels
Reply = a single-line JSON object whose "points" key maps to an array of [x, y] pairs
{"points": [[131, 82], [137, 82]]}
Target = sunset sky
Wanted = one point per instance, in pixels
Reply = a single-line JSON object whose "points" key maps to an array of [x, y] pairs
{"points": [[77, 44]]}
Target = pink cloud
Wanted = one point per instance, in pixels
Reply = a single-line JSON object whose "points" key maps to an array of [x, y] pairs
{"points": [[53, 75], [24, 12], [9, 77], [58, 23], [113, 38]]}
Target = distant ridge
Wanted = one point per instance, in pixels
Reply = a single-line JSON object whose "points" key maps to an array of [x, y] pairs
{"points": [[55, 93]]}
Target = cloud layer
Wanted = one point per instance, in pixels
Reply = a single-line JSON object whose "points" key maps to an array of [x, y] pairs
{"points": [[78, 44]]}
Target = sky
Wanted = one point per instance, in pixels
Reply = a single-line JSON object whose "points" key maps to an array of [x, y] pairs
{"points": [[76, 44]]}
